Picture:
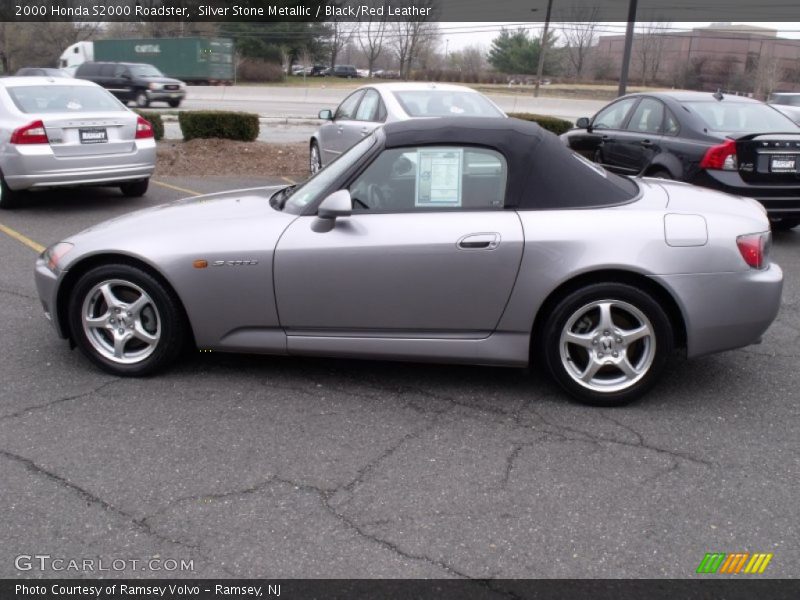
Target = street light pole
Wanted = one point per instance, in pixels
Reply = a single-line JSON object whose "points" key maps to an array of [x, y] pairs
{"points": [[626, 53], [542, 46]]}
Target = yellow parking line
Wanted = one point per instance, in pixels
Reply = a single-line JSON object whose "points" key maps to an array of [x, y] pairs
{"points": [[289, 180], [21, 238], [176, 188]]}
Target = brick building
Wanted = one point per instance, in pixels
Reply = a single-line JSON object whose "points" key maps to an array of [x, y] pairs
{"points": [[741, 58]]}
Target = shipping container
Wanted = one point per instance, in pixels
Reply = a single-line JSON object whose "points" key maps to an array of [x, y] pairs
{"points": [[191, 59]]}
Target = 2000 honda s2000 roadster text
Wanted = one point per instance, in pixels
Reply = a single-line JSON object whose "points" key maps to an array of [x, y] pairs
{"points": [[481, 241]]}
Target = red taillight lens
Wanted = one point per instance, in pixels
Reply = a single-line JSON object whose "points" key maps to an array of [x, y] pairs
{"points": [[32, 133], [143, 128], [721, 157], [754, 248]]}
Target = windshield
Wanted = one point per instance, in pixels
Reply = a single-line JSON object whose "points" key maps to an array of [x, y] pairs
{"points": [[305, 194], [63, 98], [785, 99], [445, 103], [741, 117], [145, 71]]}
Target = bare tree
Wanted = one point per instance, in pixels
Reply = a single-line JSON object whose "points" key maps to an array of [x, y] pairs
{"points": [[580, 35], [649, 48], [341, 33], [39, 44], [470, 62], [371, 36]]}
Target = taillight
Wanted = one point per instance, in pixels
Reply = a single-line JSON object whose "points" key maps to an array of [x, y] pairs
{"points": [[721, 157], [754, 248], [32, 133], [143, 128]]}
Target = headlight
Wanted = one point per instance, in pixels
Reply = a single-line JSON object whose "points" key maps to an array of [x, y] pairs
{"points": [[53, 255], [154, 86]]}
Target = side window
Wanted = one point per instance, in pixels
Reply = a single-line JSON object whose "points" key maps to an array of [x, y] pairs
{"points": [[368, 108], [612, 117], [107, 70], [648, 116], [671, 125], [347, 109], [432, 178], [119, 70]]}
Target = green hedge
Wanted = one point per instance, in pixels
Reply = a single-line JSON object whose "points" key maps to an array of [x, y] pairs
{"points": [[218, 124], [155, 120], [554, 124]]}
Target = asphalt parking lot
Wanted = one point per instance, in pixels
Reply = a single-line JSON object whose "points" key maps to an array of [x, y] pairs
{"points": [[257, 466]]}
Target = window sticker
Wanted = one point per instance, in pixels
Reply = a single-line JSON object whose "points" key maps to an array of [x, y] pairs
{"points": [[439, 174]]}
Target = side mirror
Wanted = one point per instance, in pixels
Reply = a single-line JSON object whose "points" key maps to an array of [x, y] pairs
{"points": [[338, 204], [326, 114], [582, 123]]}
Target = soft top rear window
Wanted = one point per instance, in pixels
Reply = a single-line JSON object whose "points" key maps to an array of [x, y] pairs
{"points": [[63, 98], [741, 117]]}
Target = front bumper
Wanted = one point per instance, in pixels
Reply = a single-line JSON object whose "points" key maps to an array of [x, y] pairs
{"points": [[165, 95], [724, 311], [47, 286]]}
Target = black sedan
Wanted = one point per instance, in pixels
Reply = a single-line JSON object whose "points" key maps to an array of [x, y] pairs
{"points": [[729, 143]]}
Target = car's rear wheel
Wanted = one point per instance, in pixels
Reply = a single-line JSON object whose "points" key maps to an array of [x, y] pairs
{"points": [[8, 197], [607, 343], [314, 159], [134, 189], [784, 224], [141, 99], [125, 321]]}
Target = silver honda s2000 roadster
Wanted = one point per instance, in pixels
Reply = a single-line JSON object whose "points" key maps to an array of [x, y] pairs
{"points": [[481, 241]]}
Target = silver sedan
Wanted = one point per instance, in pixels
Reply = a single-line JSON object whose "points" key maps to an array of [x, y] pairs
{"points": [[374, 105], [57, 132], [479, 241]]}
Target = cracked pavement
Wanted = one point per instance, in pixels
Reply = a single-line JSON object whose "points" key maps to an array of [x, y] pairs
{"points": [[257, 466]]}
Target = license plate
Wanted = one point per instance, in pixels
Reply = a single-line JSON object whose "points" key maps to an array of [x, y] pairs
{"points": [[93, 136], [175, 95], [783, 164]]}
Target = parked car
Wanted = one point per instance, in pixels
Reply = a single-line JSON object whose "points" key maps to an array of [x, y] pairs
{"points": [[41, 72], [57, 132], [787, 103], [134, 82], [729, 143], [371, 106], [346, 71], [480, 241]]}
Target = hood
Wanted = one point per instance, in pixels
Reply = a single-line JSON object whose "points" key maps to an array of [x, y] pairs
{"points": [[160, 79], [222, 220]]}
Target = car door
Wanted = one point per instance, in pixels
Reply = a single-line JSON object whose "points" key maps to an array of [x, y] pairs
{"points": [[605, 128], [641, 140], [343, 131], [371, 112], [428, 252]]}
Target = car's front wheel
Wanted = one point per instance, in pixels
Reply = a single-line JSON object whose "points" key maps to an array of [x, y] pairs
{"points": [[314, 159], [174, 103], [134, 189], [141, 99], [125, 321], [607, 343]]}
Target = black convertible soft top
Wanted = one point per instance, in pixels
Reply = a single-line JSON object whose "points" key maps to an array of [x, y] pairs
{"points": [[542, 172]]}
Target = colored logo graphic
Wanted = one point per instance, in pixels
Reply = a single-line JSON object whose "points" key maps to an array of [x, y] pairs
{"points": [[741, 562]]}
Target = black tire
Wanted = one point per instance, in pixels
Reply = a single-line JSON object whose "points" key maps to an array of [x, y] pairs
{"points": [[174, 103], [161, 317], [8, 197], [784, 224], [134, 189], [141, 99], [314, 158], [645, 358]]}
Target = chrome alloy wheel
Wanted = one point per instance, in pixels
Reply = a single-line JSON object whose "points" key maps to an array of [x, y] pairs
{"points": [[607, 345], [314, 162], [121, 321]]}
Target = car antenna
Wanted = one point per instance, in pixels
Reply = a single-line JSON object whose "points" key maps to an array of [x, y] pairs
{"points": [[718, 95]]}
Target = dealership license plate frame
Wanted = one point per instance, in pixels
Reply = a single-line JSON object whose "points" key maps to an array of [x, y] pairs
{"points": [[85, 134], [783, 164]]}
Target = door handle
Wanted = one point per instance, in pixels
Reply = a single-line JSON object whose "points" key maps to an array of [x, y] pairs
{"points": [[605, 138], [340, 128], [646, 143], [364, 131], [479, 241]]}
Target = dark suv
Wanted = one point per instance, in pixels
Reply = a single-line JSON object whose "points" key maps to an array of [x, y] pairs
{"points": [[136, 82], [348, 71], [728, 143]]}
